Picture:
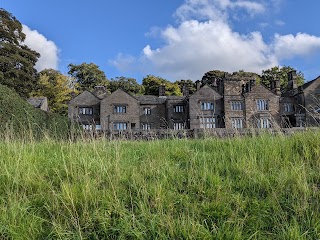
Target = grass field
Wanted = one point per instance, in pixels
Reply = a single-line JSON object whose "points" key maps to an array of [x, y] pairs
{"points": [[264, 187]]}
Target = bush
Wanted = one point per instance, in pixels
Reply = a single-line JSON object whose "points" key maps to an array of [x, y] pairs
{"points": [[19, 118]]}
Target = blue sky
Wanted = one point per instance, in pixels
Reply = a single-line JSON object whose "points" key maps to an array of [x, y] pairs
{"points": [[173, 39]]}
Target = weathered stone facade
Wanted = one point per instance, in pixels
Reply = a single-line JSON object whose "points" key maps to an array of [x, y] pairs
{"points": [[229, 102]]}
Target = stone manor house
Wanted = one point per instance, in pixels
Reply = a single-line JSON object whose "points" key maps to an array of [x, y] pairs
{"points": [[230, 102]]}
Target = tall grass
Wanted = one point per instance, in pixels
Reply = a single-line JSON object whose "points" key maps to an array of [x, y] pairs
{"points": [[264, 187]]}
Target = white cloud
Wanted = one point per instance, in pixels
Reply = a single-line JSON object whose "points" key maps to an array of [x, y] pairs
{"points": [[204, 40], [196, 47], [289, 46], [47, 49]]}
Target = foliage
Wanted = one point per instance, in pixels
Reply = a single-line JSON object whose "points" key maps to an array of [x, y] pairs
{"points": [[280, 73], [18, 118], [189, 83], [264, 187], [17, 61], [87, 75], [129, 85], [54, 86], [152, 83]]}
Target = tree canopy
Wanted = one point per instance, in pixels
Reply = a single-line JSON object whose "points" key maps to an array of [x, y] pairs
{"points": [[151, 86], [87, 75], [129, 85], [17, 61], [280, 73], [54, 86]]}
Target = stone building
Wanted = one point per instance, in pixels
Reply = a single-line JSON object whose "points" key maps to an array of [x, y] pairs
{"points": [[229, 102]]}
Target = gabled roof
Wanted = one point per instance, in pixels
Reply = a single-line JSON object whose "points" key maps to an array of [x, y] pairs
{"points": [[122, 91], [203, 87], [259, 85], [85, 92], [307, 84]]}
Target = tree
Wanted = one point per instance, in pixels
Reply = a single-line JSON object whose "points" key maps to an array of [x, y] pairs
{"points": [[17, 61], [189, 83], [87, 76], [127, 84], [54, 86], [280, 73], [151, 86]]}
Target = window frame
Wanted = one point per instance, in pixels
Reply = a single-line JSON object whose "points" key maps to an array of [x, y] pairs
{"points": [[119, 109], [116, 126], [147, 110], [207, 105], [85, 110], [178, 108], [236, 106], [237, 123], [262, 104], [207, 122]]}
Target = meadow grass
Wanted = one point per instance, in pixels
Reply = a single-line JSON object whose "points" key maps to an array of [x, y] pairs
{"points": [[264, 187]]}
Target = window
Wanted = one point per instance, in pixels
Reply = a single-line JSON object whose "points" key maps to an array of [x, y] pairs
{"points": [[288, 107], [85, 110], [146, 126], [237, 123], [178, 109], [120, 109], [178, 125], [98, 127], [264, 123], [207, 122], [262, 105], [236, 106], [147, 111], [87, 127], [119, 126], [207, 106]]}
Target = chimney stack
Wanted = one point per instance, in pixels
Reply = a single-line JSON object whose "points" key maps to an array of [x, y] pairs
{"points": [[162, 90], [100, 91], [185, 90], [198, 84]]}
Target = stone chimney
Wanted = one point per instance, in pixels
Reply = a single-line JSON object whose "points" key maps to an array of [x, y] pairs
{"points": [[162, 90], [277, 86], [185, 90], [198, 84], [292, 80], [100, 91], [73, 95]]}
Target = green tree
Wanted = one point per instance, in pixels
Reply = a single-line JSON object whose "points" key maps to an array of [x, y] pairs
{"points": [[127, 84], [152, 83], [54, 86], [280, 73], [17, 61], [87, 76], [189, 83]]}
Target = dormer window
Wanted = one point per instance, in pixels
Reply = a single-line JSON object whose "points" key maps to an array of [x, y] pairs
{"points": [[85, 110], [120, 109]]}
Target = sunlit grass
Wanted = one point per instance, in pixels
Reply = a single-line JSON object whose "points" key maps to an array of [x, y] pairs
{"points": [[264, 187]]}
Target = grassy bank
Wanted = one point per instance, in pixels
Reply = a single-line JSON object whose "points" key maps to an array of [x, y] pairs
{"points": [[255, 188]]}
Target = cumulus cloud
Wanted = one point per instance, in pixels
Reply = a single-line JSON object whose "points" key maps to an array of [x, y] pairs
{"points": [[288, 46], [47, 49], [204, 40]]}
